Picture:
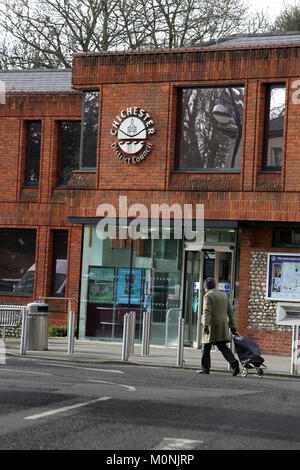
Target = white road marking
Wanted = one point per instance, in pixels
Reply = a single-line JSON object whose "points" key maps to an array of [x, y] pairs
{"points": [[66, 408], [169, 443], [24, 371], [82, 368], [132, 389]]}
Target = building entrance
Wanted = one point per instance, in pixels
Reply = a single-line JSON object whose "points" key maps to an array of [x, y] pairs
{"points": [[211, 261]]}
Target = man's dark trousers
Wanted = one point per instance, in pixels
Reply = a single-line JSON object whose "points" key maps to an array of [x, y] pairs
{"points": [[222, 346]]}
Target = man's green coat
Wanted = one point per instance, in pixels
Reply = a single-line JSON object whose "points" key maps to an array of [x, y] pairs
{"points": [[218, 316]]}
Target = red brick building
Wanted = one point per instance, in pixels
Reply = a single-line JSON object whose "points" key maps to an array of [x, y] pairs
{"points": [[216, 125]]}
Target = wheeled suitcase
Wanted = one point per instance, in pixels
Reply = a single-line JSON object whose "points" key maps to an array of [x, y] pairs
{"points": [[249, 354]]}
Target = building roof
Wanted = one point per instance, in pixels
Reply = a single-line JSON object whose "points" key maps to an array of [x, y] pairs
{"points": [[37, 80], [256, 39]]}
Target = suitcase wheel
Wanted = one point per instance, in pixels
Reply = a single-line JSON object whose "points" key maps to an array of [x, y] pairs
{"points": [[244, 372], [260, 372]]}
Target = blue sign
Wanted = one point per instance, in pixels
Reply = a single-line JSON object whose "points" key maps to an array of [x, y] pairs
{"points": [[129, 286], [227, 288]]}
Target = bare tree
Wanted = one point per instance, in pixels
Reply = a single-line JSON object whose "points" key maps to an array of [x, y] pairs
{"points": [[289, 19], [44, 33]]}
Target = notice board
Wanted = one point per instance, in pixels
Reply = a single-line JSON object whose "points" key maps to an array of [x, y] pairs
{"points": [[283, 276]]}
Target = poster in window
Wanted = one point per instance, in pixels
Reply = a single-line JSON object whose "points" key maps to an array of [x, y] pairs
{"points": [[283, 278], [101, 285], [127, 286]]}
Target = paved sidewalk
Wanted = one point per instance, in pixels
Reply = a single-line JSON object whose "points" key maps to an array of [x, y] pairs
{"points": [[106, 351]]}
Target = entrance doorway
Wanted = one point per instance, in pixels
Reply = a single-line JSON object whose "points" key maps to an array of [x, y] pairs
{"points": [[210, 261]]}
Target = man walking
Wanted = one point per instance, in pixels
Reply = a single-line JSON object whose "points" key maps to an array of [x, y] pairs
{"points": [[217, 319]]}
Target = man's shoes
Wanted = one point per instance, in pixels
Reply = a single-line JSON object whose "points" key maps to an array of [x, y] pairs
{"points": [[202, 371], [235, 368]]}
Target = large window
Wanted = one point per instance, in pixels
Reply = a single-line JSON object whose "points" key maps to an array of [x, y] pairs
{"points": [[210, 121], [89, 131], [33, 150], [123, 275], [68, 148], [59, 264], [287, 238], [17, 256], [273, 142]]}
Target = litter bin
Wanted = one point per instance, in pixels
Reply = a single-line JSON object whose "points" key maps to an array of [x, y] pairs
{"points": [[37, 326]]}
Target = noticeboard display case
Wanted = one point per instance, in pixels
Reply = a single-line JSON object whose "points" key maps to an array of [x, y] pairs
{"points": [[283, 277]]}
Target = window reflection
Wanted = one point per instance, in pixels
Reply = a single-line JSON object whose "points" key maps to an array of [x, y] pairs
{"points": [[89, 129], [17, 255], [59, 263], [210, 128], [147, 268], [274, 127], [33, 149], [68, 147]]}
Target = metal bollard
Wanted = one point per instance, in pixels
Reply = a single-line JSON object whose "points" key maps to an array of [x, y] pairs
{"points": [[125, 346], [146, 333], [2, 352], [132, 331], [294, 364], [24, 331], [180, 348], [71, 331]]}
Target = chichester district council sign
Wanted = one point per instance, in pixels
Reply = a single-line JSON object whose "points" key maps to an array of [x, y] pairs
{"points": [[132, 128]]}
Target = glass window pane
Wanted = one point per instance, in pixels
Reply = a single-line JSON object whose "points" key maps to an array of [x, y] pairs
{"points": [[274, 130], [17, 256], [60, 251], [89, 129], [103, 305], [33, 148], [211, 128], [68, 148], [297, 238], [287, 238]]}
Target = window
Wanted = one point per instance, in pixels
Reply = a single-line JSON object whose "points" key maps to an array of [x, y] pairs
{"points": [[273, 141], [33, 150], [166, 249], [68, 148], [210, 122], [17, 257], [59, 263], [89, 132], [287, 238], [156, 274]]}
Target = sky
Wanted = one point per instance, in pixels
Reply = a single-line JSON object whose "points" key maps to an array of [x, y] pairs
{"points": [[271, 7]]}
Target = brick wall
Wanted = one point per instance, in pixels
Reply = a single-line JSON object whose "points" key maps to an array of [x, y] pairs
{"points": [[150, 80], [253, 320], [42, 208]]}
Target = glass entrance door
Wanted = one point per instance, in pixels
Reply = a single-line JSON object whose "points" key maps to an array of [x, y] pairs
{"points": [[216, 262]]}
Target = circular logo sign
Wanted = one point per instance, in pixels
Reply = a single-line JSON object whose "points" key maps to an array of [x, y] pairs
{"points": [[132, 128]]}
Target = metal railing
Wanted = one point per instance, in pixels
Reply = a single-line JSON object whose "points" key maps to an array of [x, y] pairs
{"points": [[167, 322], [12, 316]]}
